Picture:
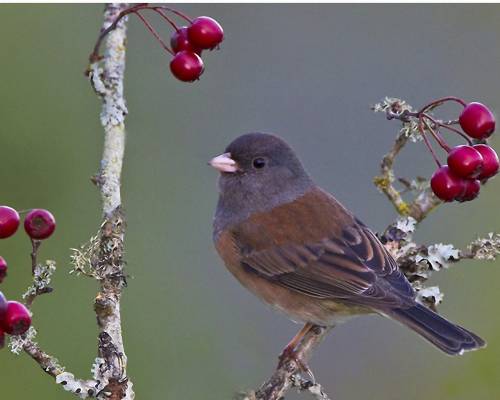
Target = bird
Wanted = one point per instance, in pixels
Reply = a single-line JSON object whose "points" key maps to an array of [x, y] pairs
{"points": [[297, 248]]}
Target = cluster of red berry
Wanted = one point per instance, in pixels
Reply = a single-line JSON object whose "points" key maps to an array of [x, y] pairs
{"points": [[15, 318], [188, 43], [468, 165]]}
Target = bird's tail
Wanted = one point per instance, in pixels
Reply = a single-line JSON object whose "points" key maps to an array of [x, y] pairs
{"points": [[450, 338]]}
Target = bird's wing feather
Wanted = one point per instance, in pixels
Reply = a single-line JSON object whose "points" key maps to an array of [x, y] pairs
{"points": [[350, 265]]}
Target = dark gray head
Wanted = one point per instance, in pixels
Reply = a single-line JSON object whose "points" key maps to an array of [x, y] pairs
{"points": [[258, 172]]}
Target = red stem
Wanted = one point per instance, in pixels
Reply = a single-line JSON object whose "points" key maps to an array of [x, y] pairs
{"points": [[427, 143], [437, 136], [165, 17], [440, 101], [184, 16], [447, 126], [153, 32], [94, 56]]}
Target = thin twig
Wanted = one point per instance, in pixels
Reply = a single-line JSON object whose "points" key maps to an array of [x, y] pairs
{"points": [[49, 364], [385, 180]]}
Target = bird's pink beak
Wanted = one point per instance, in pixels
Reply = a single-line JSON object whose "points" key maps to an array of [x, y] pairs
{"points": [[224, 163]]}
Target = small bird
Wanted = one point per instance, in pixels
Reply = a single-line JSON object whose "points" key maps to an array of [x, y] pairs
{"points": [[301, 251]]}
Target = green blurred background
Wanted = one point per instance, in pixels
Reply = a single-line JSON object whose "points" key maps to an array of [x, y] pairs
{"points": [[307, 72]]}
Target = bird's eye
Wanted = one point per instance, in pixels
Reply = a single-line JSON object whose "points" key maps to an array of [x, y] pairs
{"points": [[259, 162]]}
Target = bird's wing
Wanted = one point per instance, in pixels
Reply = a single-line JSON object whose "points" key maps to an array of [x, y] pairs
{"points": [[350, 265]]}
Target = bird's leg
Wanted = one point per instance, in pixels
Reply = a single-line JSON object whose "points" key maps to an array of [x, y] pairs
{"points": [[289, 351]]}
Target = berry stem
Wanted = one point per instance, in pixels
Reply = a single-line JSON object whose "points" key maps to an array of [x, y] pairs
{"points": [[178, 13], [436, 135], [159, 11], [447, 125], [153, 32], [94, 56], [438, 102], [427, 143], [22, 212], [35, 246]]}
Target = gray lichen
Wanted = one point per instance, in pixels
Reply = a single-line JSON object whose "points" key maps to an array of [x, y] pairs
{"points": [[438, 255], [395, 106], [42, 277], [17, 342], [84, 259], [487, 248]]}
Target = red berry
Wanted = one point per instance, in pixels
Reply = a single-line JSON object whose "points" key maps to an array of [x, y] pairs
{"points": [[9, 221], [187, 66], [3, 269], [446, 185], [179, 41], [3, 308], [491, 165], [477, 121], [465, 161], [472, 187], [39, 224], [17, 318], [205, 33]]}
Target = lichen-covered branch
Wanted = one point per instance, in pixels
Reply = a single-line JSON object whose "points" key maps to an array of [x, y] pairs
{"points": [[107, 77], [418, 261], [424, 201], [42, 276], [47, 362], [51, 366]]}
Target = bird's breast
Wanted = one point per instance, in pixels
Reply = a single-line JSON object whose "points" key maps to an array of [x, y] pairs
{"points": [[309, 218]]}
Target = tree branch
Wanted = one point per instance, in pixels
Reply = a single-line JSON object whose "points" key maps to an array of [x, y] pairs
{"points": [[109, 266]]}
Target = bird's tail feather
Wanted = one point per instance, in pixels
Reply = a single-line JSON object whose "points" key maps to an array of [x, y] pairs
{"points": [[450, 338]]}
